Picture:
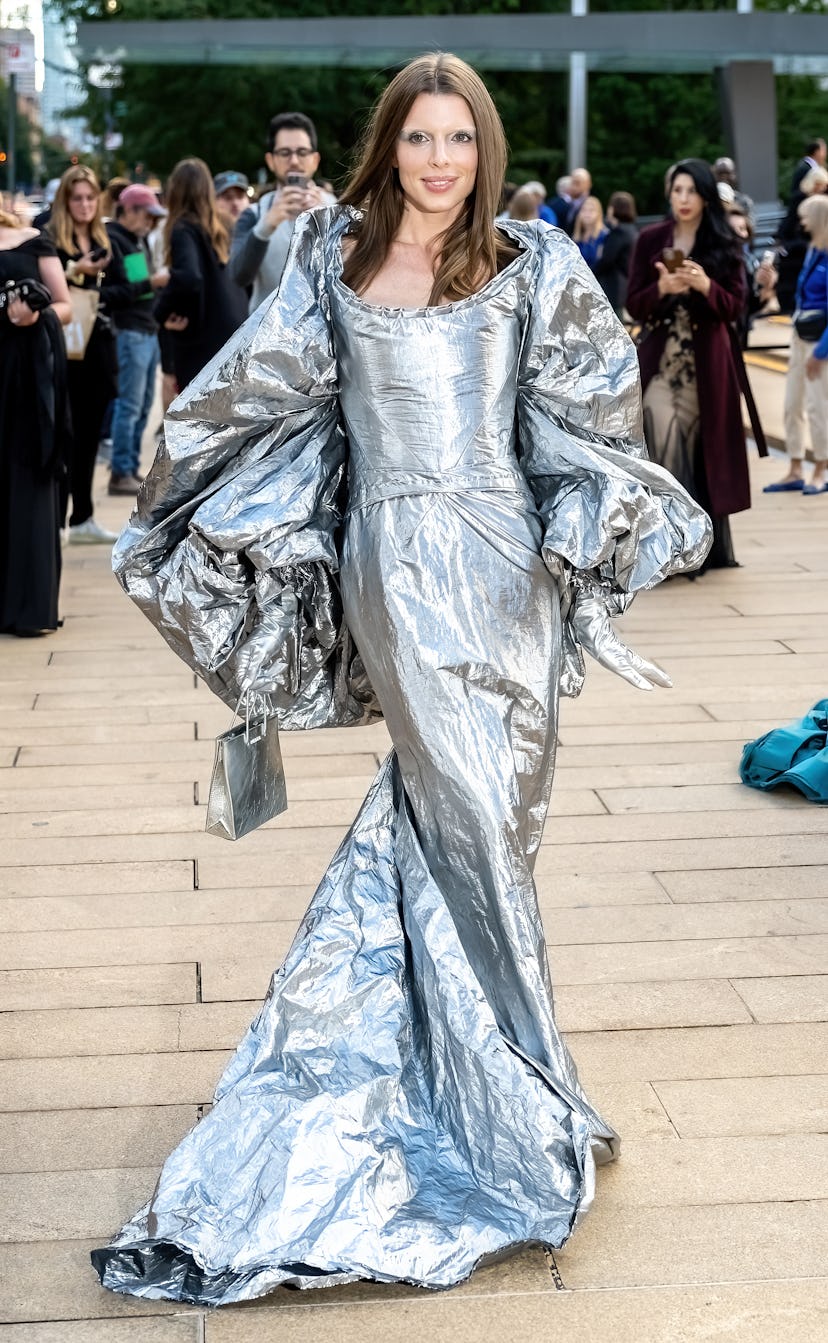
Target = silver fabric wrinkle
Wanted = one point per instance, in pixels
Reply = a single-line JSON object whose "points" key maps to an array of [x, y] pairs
{"points": [[424, 486]]}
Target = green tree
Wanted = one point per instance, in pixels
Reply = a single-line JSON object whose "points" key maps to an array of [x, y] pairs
{"points": [[638, 123]]}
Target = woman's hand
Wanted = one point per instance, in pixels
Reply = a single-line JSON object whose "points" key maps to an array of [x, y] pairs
{"points": [[670, 282], [591, 625], [766, 278], [20, 314], [257, 654], [85, 265], [695, 277], [813, 367], [176, 323]]}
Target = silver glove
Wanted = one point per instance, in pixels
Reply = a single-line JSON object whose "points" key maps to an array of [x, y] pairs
{"points": [[254, 661], [590, 619]]}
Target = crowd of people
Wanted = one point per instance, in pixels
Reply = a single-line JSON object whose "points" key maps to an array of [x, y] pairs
{"points": [[140, 279]]}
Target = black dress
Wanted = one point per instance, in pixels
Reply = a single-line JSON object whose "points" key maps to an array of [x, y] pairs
{"points": [[32, 446], [200, 289], [93, 383]]}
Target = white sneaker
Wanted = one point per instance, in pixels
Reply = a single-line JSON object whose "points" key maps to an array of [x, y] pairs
{"points": [[89, 533]]}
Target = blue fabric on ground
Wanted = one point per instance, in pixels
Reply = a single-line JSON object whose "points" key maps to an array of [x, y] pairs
{"points": [[796, 754]]}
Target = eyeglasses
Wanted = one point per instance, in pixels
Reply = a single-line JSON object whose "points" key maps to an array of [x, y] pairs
{"points": [[293, 153]]}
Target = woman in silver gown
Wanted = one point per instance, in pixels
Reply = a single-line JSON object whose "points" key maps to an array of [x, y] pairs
{"points": [[429, 511]]}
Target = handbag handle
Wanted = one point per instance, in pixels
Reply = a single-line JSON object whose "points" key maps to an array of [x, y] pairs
{"points": [[256, 706]]}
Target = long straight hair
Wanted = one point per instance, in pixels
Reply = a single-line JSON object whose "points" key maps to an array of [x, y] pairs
{"points": [[716, 246], [471, 250], [579, 233], [61, 224], [190, 196]]}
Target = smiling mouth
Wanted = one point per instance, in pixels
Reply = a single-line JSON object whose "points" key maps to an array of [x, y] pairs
{"points": [[439, 183]]}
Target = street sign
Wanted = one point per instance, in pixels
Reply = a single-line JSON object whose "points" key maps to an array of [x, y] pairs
{"points": [[19, 59]]}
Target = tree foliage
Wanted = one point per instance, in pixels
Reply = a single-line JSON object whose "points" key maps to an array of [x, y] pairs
{"points": [[638, 124]]}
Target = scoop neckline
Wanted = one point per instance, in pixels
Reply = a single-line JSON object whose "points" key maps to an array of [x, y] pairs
{"points": [[437, 308], [22, 241]]}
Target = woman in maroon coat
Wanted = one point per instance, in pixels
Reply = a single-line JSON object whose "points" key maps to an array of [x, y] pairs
{"points": [[691, 368]]}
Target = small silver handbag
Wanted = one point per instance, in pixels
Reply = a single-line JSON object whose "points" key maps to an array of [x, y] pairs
{"points": [[248, 783]]}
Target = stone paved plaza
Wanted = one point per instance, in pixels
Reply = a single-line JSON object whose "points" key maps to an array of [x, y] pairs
{"points": [[687, 919]]}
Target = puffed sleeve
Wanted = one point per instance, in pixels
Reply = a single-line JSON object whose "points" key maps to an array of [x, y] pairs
{"points": [[238, 516], [612, 519]]}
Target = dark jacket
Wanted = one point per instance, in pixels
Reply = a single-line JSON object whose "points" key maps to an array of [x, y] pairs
{"points": [[100, 360], [719, 367], [612, 266], [200, 289], [129, 294]]}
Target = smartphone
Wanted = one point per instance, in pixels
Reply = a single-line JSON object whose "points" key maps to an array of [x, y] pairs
{"points": [[296, 180], [98, 254], [673, 257]]}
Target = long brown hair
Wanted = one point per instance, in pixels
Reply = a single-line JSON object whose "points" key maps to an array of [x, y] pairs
{"points": [[472, 250], [190, 196], [62, 225]]}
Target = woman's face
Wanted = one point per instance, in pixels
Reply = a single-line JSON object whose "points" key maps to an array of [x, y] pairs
{"points": [[83, 203], [740, 226], [686, 203], [589, 214], [803, 217], [436, 154]]}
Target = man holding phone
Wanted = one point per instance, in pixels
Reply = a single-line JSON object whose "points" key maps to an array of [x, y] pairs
{"points": [[262, 235]]}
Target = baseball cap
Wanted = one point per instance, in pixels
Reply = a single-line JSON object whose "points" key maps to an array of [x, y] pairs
{"points": [[138, 197], [224, 181]]}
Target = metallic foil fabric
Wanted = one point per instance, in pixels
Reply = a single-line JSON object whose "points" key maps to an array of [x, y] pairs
{"points": [[419, 485]]}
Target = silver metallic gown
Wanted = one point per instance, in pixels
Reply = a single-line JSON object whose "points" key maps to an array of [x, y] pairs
{"points": [[417, 485]]}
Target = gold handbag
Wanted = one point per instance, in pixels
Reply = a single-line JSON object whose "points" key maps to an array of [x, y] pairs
{"points": [[85, 305], [248, 783]]}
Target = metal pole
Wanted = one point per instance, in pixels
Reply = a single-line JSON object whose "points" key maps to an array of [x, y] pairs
{"points": [[11, 170], [577, 119]]}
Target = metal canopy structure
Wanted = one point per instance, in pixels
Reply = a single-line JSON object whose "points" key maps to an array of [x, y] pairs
{"points": [[748, 49], [634, 42]]}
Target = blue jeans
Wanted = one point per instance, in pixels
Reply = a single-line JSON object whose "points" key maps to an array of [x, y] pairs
{"points": [[137, 363]]}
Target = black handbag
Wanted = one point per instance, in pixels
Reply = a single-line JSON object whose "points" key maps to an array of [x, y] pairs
{"points": [[810, 325], [32, 292]]}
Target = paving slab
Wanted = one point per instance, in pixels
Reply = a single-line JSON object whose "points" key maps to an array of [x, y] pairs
{"points": [[55, 1281], [66, 879], [702, 1051], [657, 1173], [744, 1242], [99, 796], [110, 1080], [102, 986], [95, 733], [154, 909], [130, 1030], [642, 923], [695, 797], [179, 1330], [784, 1312], [72, 1140], [696, 854], [711, 958], [70, 1205], [143, 946], [742, 1106], [748, 883], [799, 998], [624, 1007]]}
